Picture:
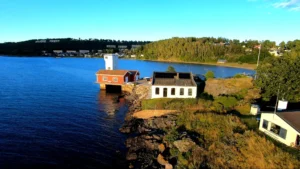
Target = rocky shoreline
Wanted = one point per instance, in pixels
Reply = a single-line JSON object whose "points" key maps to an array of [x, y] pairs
{"points": [[146, 143], [146, 148]]}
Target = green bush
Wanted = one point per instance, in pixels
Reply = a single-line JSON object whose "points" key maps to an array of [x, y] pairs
{"points": [[153, 104], [171, 69], [166, 103], [174, 104], [228, 102], [251, 123], [172, 135], [239, 75], [206, 96], [210, 74]]}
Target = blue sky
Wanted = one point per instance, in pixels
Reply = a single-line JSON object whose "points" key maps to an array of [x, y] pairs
{"points": [[277, 20]]}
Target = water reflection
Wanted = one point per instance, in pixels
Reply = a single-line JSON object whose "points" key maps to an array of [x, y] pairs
{"points": [[109, 102]]}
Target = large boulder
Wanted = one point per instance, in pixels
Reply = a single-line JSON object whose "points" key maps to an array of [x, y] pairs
{"points": [[131, 156], [184, 145], [168, 166], [161, 148], [161, 160]]}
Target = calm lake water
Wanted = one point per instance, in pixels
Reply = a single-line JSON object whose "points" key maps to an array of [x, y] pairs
{"points": [[52, 114]]}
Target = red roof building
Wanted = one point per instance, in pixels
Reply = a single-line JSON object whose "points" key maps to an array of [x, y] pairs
{"points": [[116, 77]]}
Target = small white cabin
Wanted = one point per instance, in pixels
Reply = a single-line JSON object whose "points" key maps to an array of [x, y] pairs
{"points": [[173, 85], [283, 127]]}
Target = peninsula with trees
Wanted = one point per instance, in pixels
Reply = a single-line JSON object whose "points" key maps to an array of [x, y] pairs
{"points": [[216, 129]]}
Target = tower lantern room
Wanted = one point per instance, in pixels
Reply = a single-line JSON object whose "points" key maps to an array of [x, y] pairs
{"points": [[111, 61]]}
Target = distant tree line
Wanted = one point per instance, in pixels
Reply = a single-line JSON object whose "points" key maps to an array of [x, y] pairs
{"points": [[36, 47], [208, 49]]}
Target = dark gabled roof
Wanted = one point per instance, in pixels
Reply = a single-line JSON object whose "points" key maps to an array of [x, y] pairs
{"points": [[292, 118], [173, 79]]}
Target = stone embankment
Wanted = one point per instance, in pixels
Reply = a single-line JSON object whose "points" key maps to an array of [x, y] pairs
{"points": [[146, 148]]}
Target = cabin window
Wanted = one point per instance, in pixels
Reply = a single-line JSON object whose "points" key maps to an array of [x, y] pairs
{"points": [[173, 91], [190, 92], [181, 91], [105, 57], [104, 78], [265, 124], [115, 79], [281, 132], [157, 91]]}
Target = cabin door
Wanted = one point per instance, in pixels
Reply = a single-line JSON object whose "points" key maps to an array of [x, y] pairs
{"points": [[165, 92], [126, 79]]}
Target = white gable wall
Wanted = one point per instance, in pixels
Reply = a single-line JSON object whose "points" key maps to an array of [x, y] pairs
{"points": [[111, 61], [177, 92], [291, 134]]}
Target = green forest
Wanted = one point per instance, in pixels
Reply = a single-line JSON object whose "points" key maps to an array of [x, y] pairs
{"points": [[35, 47], [208, 49]]}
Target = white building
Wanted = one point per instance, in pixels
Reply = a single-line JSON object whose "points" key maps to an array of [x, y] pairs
{"points": [[111, 61], [173, 85], [84, 51], [275, 52], [282, 126]]}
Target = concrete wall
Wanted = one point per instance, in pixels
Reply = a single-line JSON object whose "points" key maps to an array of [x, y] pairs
{"points": [[291, 134], [177, 92]]}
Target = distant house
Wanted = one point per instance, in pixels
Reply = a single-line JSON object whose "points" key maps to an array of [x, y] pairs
{"points": [[257, 47], [222, 61], [275, 52], [84, 51], [287, 50], [283, 127], [57, 51], [248, 50], [173, 85], [133, 56], [71, 51]]}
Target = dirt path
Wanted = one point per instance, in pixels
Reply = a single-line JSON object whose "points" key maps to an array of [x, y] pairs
{"points": [[146, 114]]}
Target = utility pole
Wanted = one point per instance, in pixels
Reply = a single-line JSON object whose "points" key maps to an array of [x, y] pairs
{"points": [[257, 60], [258, 55], [276, 104]]}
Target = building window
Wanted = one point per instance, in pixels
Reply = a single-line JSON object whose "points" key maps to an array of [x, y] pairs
{"points": [[181, 91], [157, 91], [105, 57], [190, 92], [104, 78], [281, 132], [265, 124], [298, 140], [108, 68], [115, 79], [173, 91]]}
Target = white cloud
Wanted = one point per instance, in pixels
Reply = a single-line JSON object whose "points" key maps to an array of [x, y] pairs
{"points": [[293, 5]]}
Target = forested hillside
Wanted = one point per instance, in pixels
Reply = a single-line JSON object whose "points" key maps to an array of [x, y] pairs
{"points": [[209, 50], [36, 47]]}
